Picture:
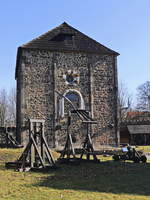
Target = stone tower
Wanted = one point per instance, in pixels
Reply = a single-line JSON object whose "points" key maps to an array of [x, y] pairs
{"points": [[83, 70]]}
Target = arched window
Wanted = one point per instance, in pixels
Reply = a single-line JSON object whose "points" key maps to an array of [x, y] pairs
{"points": [[75, 97]]}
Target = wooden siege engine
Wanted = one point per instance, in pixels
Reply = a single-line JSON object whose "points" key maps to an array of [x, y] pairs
{"points": [[87, 149], [37, 153]]}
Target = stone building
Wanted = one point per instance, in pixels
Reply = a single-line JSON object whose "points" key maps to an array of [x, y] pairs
{"points": [[83, 70]]}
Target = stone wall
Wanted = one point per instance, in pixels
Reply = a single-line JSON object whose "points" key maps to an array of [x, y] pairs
{"points": [[42, 72], [78, 63], [104, 92], [37, 85]]}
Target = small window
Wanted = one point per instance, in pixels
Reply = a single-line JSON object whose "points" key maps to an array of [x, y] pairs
{"points": [[62, 37], [70, 78]]}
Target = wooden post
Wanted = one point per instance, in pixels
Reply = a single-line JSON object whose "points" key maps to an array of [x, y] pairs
{"points": [[69, 148], [41, 140], [31, 149], [88, 144], [6, 132]]}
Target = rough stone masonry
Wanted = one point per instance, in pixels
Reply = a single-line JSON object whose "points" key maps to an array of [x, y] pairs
{"points": [[83, 70]]}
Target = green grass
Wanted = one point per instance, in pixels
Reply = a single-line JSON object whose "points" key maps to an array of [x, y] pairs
{"points": [[144, 148], [107, 180]]}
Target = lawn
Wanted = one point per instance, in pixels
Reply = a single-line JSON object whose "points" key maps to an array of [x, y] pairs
{"points": [[107, 180], [144, 148]]}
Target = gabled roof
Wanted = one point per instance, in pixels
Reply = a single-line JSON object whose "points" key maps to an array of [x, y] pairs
{"points": [[139, 129], [67, 38]]}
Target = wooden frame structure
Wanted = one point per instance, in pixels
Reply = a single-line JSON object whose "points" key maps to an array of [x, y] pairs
{"points": [[69, 148], [10, 140], [37, 153], [87, 148]]}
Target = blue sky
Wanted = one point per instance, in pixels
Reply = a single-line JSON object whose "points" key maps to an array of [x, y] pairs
{"points": [[123, 25]]}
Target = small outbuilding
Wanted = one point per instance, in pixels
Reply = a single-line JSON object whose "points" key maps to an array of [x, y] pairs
{"points": [[139, 134]]}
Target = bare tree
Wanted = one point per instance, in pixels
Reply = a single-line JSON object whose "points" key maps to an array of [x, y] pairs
{"points": [[143, 97], [124, 101], [11, 112], [3, 107], [7, 107]]}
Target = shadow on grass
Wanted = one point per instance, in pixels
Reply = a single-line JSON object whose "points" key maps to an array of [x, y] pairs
{"points": [[107, 177]]}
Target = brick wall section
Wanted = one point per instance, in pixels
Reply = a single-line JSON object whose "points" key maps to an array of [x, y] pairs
{"points": [[42, 71]]}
